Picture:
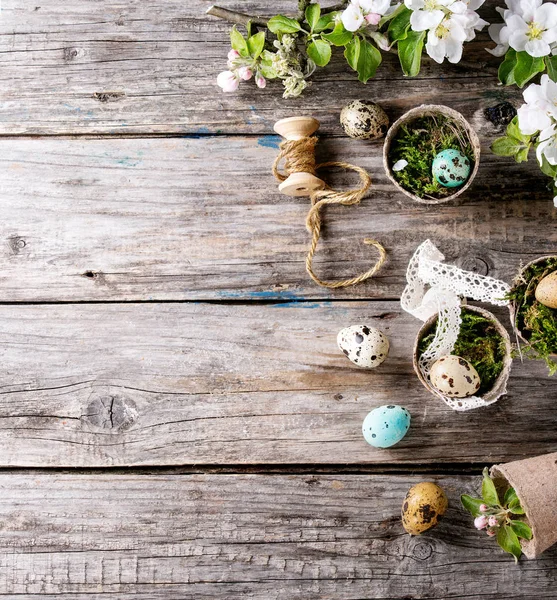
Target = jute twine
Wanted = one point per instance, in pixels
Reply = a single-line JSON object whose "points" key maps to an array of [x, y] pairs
{"points": [[299, 156]]}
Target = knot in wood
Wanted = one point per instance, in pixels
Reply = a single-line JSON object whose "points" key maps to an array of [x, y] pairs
{"points": [[474, 264], [111, 411], [422, 551]]}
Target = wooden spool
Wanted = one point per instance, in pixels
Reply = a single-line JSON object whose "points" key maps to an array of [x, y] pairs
{"points": [[296, 128]]}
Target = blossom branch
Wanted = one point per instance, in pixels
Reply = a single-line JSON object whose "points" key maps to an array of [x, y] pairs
{"points": [[236, 17]]}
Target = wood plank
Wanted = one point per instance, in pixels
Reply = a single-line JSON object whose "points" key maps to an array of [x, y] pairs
{"points": [[176, 219], [144, 67], [182, 384], [259, 537]]}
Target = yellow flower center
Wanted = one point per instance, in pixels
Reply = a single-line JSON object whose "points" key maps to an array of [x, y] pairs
{"points": [[430, 4], [535, 31], [442, 31]]}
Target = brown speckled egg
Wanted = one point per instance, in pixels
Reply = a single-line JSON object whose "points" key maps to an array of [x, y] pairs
{"points": [[455, 377], [364, 120], [424, 504], [546, 290], [365, 346]]}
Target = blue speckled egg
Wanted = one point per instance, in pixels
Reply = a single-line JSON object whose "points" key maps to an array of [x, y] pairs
{"points": [[451, 168], [386, 426]]}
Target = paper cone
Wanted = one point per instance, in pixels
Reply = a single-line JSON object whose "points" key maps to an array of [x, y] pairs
{"points": [[535, 483], [423, 111]]}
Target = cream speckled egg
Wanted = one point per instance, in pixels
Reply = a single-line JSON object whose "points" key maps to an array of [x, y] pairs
{"points": [[546, 290], [364, 120], [454, 376], [365, 346]]}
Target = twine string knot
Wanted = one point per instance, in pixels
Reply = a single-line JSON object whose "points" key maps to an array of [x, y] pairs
{"points": [[299, 156]]}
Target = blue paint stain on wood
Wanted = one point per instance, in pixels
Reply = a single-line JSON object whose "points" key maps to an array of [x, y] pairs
{"points": [[262, 295], [269, 141]]}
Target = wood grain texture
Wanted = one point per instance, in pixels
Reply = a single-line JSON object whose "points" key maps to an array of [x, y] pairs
{"points": [[182, 384], [201, 219], [257, 537], [150, 67]]}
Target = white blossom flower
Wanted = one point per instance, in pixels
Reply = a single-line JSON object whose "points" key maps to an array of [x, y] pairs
{"points": [[533, 30], [446, 40], [528, 26], [547, 146], [245, 73], [228, 81], [364, 12], [540, 111], [428, 14]]}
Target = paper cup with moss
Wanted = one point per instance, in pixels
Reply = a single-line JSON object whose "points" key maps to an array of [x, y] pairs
{"points": [[484, 344], [431, 154], [532, 298], [518, 505]]}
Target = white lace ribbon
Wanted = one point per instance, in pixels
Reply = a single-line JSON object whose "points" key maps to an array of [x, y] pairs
{"points": [[437, 288]]}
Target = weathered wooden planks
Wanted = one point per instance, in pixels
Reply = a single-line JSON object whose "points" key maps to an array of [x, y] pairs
{"points": [[143, 67], [183, 219], [260, 537], [173, 384]]}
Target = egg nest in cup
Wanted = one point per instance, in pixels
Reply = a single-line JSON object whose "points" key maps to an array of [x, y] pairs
{"points": [[419, 142], [535, 323], [480, 344]]}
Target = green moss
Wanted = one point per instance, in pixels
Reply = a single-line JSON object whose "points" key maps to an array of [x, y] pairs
{"points": [[419, 142], [480, 344], [536, 322]]}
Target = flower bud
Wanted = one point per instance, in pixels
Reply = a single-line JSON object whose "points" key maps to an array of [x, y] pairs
{"points": [[245, 73], [484, 508], [260, 81], [480, 522], [228, 81], [233, 54], [493, 522], [491, 532], [373, 18]]}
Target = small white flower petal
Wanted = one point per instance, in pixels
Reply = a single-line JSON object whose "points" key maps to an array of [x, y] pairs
{"points": [[421, 20], [352, 18], [537, 48], [400, 164]]}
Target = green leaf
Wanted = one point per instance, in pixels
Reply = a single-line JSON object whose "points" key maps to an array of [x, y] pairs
{"points": [[547, 169], [368, 61], [506, 68], [320, 52], [551, 65], [313, 12], [522, 530], [410, 52], [515, 508], [472, 505], [267, 69], [514, 131], [510, 495], [238, 42], [506, 146], [256, 43], [526, 67], [352, 52], [325, 22], [507, 539], [390, 17], [399, 26], [489, 493], [339, 36], [282, 24], [522, 154]]}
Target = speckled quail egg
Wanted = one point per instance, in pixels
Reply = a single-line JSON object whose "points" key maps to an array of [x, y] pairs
{"points": [[546, 290], [454, 376], [451, 168], [386, 425], [364, 120], [425, 503], [365, 346]]}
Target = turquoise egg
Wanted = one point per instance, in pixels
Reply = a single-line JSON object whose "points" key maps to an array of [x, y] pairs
{"points": [[451, 168], [386, 426]]}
